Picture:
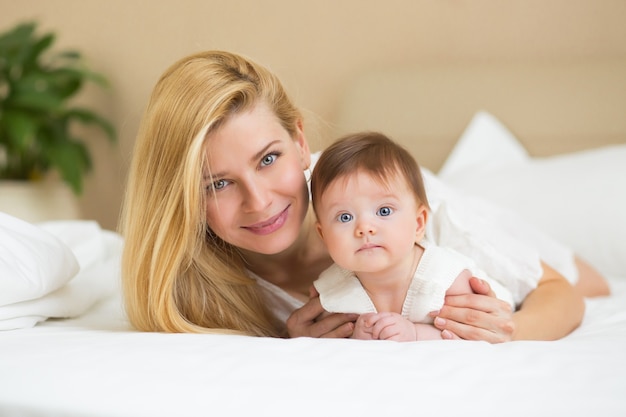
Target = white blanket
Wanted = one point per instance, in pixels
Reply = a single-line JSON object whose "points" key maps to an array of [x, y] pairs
{"points": [[97, 252]]}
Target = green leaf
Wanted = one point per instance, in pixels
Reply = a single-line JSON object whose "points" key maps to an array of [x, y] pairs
{"points": [[20, 129], [36, 116], [37, 101], [68, 55], [34, 53], [64, 82], [17, 37], [88, 117], [72, 160], [45, 90], [16, 46]]}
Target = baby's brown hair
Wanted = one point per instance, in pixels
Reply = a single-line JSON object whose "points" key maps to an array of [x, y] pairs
{"points": [[371, 152]]}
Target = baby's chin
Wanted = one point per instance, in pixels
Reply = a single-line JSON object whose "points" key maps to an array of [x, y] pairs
{"points": [[370, 269]]}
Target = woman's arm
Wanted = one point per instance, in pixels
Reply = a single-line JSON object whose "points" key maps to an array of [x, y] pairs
{"points": [[551, 311], [590, 282]]}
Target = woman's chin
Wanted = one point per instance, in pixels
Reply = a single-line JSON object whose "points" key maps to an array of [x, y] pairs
{"points": [[270, 244]]}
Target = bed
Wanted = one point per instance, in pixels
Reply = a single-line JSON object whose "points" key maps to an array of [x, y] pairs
{"points": [[516, 135]]}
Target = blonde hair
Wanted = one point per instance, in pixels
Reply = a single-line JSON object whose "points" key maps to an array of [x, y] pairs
{"points": [[177, 276], [371, 152]]}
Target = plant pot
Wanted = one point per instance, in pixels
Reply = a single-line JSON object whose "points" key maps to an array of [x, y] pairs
{"points": [[38, 201]]}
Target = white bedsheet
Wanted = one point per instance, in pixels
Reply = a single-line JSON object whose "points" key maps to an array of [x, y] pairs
{"points": [[96, 365]]}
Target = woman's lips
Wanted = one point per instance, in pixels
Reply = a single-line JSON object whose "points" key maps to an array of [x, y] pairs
{"points": [[270, 225]]}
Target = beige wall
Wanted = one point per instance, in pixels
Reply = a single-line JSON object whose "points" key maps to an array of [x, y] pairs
{"points": [[316, 47]]}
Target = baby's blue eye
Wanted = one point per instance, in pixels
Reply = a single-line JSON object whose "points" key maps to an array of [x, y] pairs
{"points": [[268, 159], [345, 217], [384, 211]]}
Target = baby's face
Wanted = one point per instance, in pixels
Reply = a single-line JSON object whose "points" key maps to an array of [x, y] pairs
{"points": [[368, 225]]}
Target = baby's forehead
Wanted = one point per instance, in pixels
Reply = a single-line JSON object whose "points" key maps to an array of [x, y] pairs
{"points": [[388, 178], [365, 183]]}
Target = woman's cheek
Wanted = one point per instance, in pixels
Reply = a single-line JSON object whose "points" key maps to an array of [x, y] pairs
{"points": [[219, 215]]}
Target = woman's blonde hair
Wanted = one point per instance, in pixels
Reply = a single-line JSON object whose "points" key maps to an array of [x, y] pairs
{"points": [[177, 276]]}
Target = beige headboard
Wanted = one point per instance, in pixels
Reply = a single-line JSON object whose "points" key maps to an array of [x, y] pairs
{"points": [[551, 108]]}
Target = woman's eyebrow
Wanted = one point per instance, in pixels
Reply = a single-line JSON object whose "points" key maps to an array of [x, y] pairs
{"points": [[253, 159], [263, 151]]}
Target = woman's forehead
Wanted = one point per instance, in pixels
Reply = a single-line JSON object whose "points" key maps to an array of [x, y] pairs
{"points": [[243, 138]]}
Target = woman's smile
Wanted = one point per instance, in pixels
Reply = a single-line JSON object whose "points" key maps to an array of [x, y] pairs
{"points": [[270, 225]]}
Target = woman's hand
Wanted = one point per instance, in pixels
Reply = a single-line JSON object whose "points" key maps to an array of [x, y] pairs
{"points": [[478, 316], [311, 320]]}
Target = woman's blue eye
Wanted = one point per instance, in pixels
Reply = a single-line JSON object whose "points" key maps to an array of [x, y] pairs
{"points": [[344, 217], [268, 159], [217, 185], [384, 211]]}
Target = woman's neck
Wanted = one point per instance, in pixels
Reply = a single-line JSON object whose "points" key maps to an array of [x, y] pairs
{"points": [[295, 268]]}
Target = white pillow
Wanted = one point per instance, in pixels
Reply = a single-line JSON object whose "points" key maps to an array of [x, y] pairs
{"points": [[485, 145], [33, 262], [577, 198]]}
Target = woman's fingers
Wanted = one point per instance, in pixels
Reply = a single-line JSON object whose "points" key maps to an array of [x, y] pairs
{"points": [[310, 320], [343, 330], [481, 303], [456, 330], [302, 318], [476, 317]]}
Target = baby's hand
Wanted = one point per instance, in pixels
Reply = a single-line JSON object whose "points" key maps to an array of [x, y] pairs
{"points": [[384, 326], [362, 328]]}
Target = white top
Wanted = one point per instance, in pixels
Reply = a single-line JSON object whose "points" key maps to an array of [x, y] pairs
{"points": [[507, 248], [341, 291]]}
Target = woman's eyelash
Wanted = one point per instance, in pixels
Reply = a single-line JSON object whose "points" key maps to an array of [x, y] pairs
{"points": [[273, 155], [216, 185], [267, 160]]}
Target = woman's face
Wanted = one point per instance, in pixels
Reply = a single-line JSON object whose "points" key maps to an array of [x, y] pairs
{"points": [[256, 191]]}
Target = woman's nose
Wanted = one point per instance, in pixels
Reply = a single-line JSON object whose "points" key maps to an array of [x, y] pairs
{"points": [[256, 197]]}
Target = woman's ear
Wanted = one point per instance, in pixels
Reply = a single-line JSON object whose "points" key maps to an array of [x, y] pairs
{"points": [[302, 145], [422, 218], [318, 228]]}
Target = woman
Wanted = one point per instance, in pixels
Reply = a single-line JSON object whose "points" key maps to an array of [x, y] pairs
{"points": [[219, 234]]}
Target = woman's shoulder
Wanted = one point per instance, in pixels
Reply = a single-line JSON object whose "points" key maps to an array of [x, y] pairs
{"points": [[315, 156]]}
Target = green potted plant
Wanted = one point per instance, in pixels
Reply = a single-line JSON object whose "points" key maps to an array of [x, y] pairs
{"points": [[37, 118]]}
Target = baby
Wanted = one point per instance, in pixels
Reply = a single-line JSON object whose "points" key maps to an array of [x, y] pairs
{"points": [[371, 208]]}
